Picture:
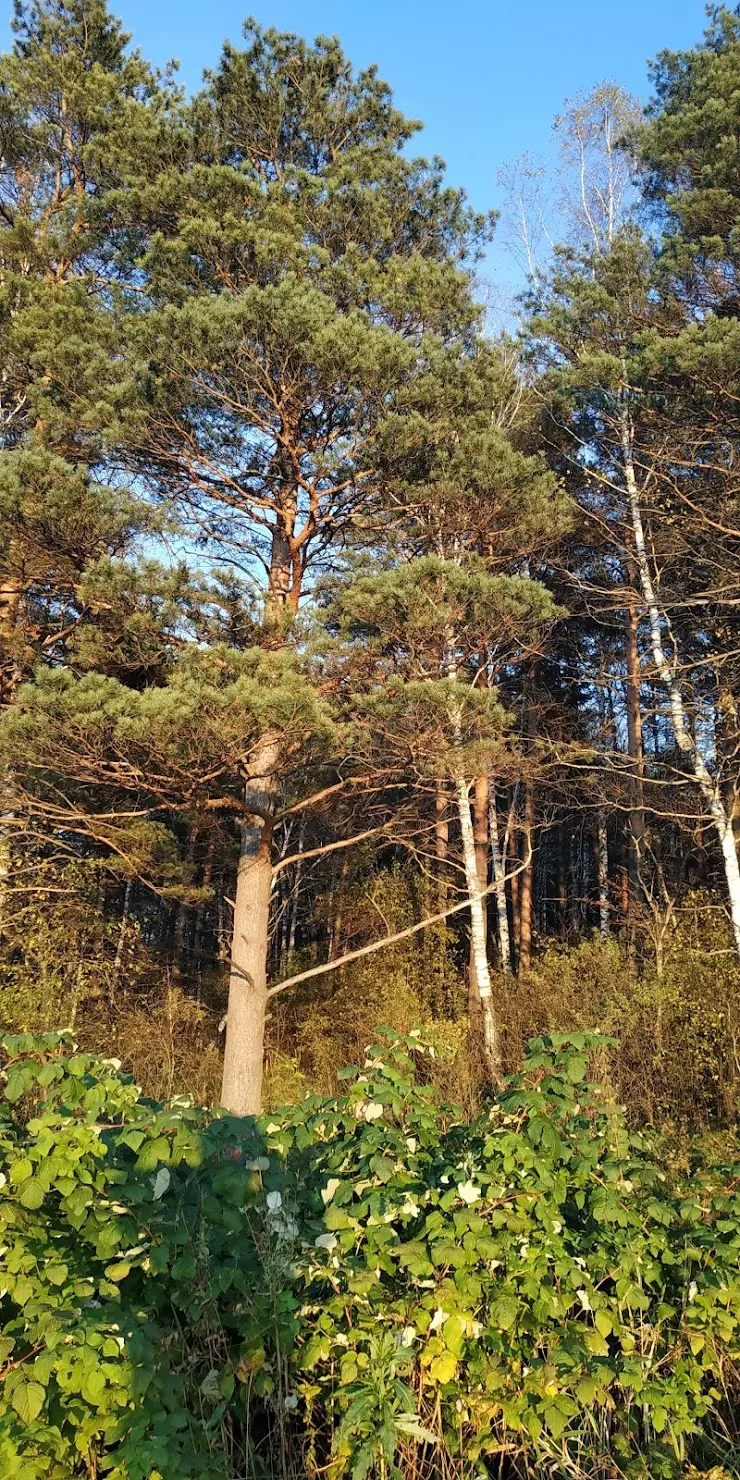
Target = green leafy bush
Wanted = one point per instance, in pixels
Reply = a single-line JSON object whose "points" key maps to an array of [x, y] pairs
{"points": [[366, 1283]]}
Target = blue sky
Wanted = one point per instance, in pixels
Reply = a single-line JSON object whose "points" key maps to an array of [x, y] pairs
{"points": [[485, 76]]}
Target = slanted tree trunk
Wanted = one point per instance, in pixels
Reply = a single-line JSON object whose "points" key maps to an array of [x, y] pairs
{"points": [[499, 877], [241, 1090], [708, 786]]}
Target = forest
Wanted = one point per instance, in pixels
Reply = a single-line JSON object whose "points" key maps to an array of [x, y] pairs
{"points": [[369, 694]]}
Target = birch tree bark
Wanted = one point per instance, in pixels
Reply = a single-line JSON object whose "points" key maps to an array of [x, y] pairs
{"points": [[477, 928], [635, 752], [480, 838], [708, 786]]}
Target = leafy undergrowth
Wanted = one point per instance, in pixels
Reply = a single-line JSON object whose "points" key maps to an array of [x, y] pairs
{"points": [[363, 1285]]}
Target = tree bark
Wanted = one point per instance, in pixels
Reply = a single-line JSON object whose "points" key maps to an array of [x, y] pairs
{"points": [[125, 914], [602, 873], [635, 752], [478, 929], [526, 888], [563, 870], [241, 1090], [708, 787], [480, 839], [515, 885], [441, 842], [499, 875], [11, 594]]}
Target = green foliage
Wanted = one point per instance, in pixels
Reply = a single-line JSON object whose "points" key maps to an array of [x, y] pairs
{"points": [[368, 1275], [180, 747]]}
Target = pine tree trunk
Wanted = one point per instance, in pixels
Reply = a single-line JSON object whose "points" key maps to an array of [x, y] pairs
{"points": [[179, 943], [296, 890], [126, 912], [602, 873], [11, 594], [563, 869], [241, 1090], [526, 891], [499, 876], [200, 917], [515, 887], [441, 843], [707, 785]]}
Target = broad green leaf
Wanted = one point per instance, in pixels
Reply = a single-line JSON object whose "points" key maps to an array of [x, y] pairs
{"points": [[28, 1399]]}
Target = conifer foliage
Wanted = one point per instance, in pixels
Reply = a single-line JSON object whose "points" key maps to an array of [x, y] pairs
{"points": [[332, 625]]}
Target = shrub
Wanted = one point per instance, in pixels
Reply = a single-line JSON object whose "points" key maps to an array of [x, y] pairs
{"points": [[367, 1283]]}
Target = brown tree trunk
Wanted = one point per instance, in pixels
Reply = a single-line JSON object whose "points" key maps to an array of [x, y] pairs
{"points": [[441, 842], [563, 867], [241, 1090], [122, 931], [526, 888], [601, 841], [11, 593], [516, 886], [200, 916], [499, 873]]}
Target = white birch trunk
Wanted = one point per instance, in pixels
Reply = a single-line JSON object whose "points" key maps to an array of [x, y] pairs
{"points": [[708, 786], [479, 953]]}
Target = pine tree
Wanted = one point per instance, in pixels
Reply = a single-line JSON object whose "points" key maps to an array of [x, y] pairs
{"points": [[74, 103], [456, 609], [296, 274], [610, 333]]}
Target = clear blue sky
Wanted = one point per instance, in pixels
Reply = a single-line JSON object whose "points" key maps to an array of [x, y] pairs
{"points": [[485, 76]]}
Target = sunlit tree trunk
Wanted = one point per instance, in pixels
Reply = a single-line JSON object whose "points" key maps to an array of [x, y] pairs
{"points": [[241, 1090], [480, 838], [526, 889], [636, 839], [441, 843], [499, 876], [477, 928], [709, 788]]}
